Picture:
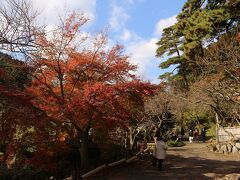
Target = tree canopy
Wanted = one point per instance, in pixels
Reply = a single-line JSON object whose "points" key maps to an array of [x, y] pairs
{"points": [[200, 23], [203, 45]]}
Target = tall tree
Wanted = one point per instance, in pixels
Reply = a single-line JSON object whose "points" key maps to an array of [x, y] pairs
{"points": [[200, 22], [219, 84], [84, 88]]}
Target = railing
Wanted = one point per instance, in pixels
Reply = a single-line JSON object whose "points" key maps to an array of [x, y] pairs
{"points": [[103, 166]]}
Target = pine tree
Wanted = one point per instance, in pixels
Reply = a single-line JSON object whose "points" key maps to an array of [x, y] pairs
{"points": [[200, 23]]}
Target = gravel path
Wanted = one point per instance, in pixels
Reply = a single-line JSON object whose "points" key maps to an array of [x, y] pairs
{"points": [[192, 161]]}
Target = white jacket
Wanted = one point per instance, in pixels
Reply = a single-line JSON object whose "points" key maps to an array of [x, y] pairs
{"points": [[160, 150]]}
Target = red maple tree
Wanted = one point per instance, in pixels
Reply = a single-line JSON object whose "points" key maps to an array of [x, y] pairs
{"points": [[84, 87]]}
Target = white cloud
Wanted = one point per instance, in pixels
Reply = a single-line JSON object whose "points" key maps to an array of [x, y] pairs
{"points": [[129, 1], [118, 18], [142, 53], [50, 10], [126, 35], [133, 1], [164, 23]]}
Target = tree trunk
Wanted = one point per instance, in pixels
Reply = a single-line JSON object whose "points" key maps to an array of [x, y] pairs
{"points": [[75, 158], [145, 135], [217, 126], [131, 139], [79, 154], [84, 151], [160, 122]]}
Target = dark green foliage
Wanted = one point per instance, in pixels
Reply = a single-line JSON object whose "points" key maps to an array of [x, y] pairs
{"points": [[199, 22], [172, 143], [166, 75], [13, 72], [23, 173]]}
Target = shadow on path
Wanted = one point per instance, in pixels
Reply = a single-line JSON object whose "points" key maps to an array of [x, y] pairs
{"points": [[175, 167]]}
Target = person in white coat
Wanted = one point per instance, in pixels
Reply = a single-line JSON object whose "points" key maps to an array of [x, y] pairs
{"points": [[160, 151]]}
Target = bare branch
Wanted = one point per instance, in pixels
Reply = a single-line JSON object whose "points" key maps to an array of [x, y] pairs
{"points": [[18, 27]]}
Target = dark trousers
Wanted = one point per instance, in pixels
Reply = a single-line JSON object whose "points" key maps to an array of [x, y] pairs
{"points": [[156, 161], [160, 162]]}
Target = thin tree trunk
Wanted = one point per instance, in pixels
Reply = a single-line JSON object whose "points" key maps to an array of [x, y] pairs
{"points": [[217, 126], [131, 140], [75, 158], [84, 151], [160, 122]]}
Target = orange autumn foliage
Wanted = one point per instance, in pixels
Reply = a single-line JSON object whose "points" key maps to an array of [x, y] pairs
{"points": [[84, 88]]}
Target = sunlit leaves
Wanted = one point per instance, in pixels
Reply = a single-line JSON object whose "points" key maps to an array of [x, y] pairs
{"points": [[91, 87]]}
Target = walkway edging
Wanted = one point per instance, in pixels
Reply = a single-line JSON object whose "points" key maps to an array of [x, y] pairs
{"points": [[117, 162], [100, 168], [94, 171]]}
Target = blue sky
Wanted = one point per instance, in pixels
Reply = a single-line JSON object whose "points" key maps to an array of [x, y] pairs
{"points": [[142, 14], [136, 24]]}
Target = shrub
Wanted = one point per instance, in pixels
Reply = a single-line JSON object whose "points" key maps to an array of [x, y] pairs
{"points": [[175, 143], [24, 173]]}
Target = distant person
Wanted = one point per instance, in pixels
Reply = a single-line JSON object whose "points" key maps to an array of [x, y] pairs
{"points": [[182, 133], [195, 134], [203, 134], [190, 135], [142, 146], [160, 152]]}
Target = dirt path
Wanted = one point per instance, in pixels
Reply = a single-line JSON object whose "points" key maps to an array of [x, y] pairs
{"points": [[192, 161]]}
